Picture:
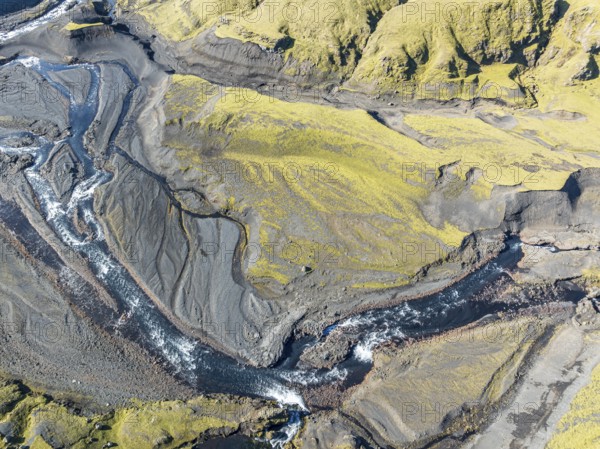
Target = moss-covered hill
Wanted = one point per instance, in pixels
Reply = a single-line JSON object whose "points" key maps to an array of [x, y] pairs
{"points": [[29, 418], [580, 426], [387, 214], [339, 190], [384, 43]]}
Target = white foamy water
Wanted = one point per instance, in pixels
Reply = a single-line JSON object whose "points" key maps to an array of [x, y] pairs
{"points": [[177, 349], [287, 433], [284, 396], [48, 17], [85, 190], [19, 150], [52, 207], [31, 62], [313, 377], [363, 351], [355, 321], [377, 327]]}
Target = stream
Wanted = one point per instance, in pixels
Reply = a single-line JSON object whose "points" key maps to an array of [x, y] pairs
{"points": [[56, 9], [207, 369]]}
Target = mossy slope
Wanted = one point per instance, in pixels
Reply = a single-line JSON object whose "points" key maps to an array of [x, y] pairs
{"points": [[37, 420], [337, 189], [432, 41], [580, 426]]}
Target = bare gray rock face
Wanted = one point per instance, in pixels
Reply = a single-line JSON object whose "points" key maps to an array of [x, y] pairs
{"points": [[560, 229], [463, 209], [188, 263], [240, 61], [76, 81], [333, 429], [62, 171], [568, 219], [27, 98], [114, 86]]}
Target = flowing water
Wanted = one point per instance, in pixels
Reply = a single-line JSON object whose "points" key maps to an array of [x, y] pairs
{"points": [[55, 11], [200, 365], [207, 369]]}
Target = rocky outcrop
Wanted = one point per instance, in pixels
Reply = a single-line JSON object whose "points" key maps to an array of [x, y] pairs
{"points": [[76, 81], [62, 171], [559, 229], [567, 219], [244, 63], [28, 102], [332, 430]]}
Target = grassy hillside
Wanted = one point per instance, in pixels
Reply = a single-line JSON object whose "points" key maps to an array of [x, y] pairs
{"points": [[319, 178], [385, 43], [356, 187], [315, 177], [179, 20], [329, 35], [32, 419], [434, 41]]}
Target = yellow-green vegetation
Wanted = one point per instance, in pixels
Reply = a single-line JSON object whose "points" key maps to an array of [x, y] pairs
{"points": [[411, 390], [39, 421], [72, 26], [179, 20], [328, 184], [337, 189], [592, 277], [356, 187], [176, 421], [580, 426], [506, 156], [570, 56], [381, 43], [565, 82], [380, 285], [39, 443], [560, 128], [433, 41], [330, 35]]}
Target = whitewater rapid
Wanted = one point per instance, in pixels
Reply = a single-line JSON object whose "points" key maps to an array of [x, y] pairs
{"points": [[188, 358]]}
